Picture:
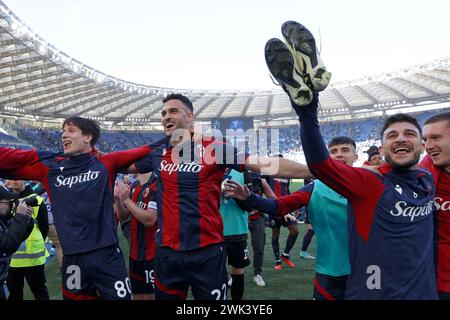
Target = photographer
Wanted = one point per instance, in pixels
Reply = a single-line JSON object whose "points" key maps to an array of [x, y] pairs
{"points": [[257, 224], [28, 261], [16, 225]]}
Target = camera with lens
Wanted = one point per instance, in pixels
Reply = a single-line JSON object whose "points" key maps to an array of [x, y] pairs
{"points": [[253, 181], [31, 201]]}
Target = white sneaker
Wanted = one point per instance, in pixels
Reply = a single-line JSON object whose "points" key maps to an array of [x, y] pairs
{"points": [[306, 255], [259, 280], [308, 63], [230, 282]]}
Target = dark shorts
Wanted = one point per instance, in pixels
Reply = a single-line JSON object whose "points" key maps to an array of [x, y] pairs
{"points": [[278, 222], [99, 274], [329, 288], [237, 252], [203, 270], [142, 276]]}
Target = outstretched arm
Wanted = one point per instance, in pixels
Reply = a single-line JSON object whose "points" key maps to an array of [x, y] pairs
{"points": [[16, 158], [277, 167], [280, 206], [352, 183], [270, 166], [139, 163]]}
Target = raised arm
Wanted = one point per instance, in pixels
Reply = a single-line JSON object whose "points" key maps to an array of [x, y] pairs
{"points": [[350, 182]]}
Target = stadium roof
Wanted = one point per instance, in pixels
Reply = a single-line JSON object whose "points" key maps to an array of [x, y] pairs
{"points": [[37, 80]]}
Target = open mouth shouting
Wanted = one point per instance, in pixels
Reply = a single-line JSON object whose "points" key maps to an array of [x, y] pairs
{"points": [[169, 125], [67, 144], [402, 150]]}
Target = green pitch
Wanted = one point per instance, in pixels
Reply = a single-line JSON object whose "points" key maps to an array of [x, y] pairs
{"points": [[287, 283]]}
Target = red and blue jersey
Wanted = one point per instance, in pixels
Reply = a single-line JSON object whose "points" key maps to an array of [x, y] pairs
{"points": [[80, 189], [390, 221], [188, 183], [142, 247], [279, 186], [441, 224]]}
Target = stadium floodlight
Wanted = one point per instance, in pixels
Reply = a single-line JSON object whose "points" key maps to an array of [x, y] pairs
{"points": [[14, 109]]}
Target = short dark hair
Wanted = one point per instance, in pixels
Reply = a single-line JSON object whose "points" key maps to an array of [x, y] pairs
{"points": [[400, 117], [442, 116], [373, 150], [178, 96], [341, 140], [87, 126]]}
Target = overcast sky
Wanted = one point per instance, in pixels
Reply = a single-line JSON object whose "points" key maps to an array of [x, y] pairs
{"points": [[219, 45]]}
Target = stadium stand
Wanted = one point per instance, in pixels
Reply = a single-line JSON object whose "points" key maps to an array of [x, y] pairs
{"points": [[49, 139], [364, 132]]}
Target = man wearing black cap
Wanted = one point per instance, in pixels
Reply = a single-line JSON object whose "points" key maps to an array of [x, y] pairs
{"points": [[16, 225]]}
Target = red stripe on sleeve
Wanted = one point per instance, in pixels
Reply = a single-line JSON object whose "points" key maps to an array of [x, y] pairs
{"points": [[292, 202], [362, 188], [16, 158]]}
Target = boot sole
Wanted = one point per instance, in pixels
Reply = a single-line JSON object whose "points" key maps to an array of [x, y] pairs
{"points": [[280, 62], [301, 39]]}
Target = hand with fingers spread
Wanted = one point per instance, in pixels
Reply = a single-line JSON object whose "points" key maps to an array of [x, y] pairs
{"points": [[236, 190], [290, 217]]}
